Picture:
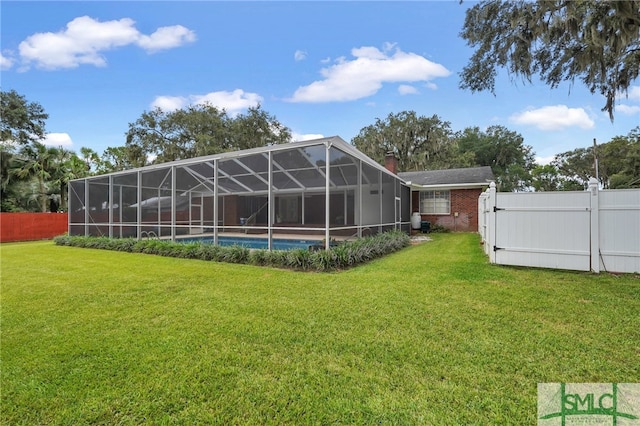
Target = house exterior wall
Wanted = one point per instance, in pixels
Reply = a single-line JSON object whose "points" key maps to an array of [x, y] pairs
{"points": [[463, 201]]}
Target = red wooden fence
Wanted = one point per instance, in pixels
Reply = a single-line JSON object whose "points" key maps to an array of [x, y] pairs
{"points": [[32, 226]]}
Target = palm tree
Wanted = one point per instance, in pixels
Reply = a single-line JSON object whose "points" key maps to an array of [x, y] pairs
{"points": [[68, 167], [7, 199], [35, 161]]}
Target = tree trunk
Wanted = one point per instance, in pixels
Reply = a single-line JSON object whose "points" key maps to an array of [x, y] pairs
{"points": [[43, 196], [63, 197]]}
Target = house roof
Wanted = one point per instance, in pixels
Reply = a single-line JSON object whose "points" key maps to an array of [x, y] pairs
{"points": [[467, 177]]}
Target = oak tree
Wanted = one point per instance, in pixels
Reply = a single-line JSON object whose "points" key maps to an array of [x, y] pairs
{"points": [[504, 151], [418, 142], [21, 121], [592, 41], [201, 130]]}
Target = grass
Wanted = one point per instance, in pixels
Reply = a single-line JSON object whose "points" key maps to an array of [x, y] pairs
{"points": [[432, 334]]}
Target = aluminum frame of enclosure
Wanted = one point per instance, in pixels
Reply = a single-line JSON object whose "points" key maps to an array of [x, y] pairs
{"points": [[322, 189]]}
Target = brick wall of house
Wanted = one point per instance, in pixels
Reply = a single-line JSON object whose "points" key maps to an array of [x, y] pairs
{"points": [[464, 202]]}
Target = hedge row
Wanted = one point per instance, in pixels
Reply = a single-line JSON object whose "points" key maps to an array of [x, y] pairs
{"points": [[343, 255]]}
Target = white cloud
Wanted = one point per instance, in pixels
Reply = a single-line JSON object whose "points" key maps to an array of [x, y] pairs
{"points": [[405, 89], [166, 38], [57, 139], [628, 109], [554, 117], [348, 80], [633, 93], [169, 103], [300, 55], [305, 137], [84, 40], [543, 161], [5, 62], [232, 102]]}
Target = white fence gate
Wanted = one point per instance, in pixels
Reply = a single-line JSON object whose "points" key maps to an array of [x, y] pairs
{"points": [[589, 230]]}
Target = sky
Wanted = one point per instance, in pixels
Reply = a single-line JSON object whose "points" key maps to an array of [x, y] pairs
{"points": [[321, 68]]}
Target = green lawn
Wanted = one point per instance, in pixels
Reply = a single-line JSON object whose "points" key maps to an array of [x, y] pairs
{"points": [[432, 334]]}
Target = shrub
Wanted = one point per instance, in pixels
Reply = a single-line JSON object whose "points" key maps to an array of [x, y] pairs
{"points": [[62, 240], [153, 247], [324, 260], [235, 254], [259, 257], [344, 255], [124, 244], [190, 251], [298, 259], [208, 251], [341, 256], [439, 229], [277, 258]]}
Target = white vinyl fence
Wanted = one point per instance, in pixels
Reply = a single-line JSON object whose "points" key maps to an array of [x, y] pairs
{"points": [[590, 230]]}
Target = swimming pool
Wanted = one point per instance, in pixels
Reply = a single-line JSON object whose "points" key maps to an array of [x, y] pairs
{"points": [[255, 242]]}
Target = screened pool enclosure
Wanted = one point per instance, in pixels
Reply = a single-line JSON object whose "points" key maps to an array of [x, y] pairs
{"points": [[321, 191]]}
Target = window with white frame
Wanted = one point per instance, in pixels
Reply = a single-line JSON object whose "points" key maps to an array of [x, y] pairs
{"points": [[435, 202]]}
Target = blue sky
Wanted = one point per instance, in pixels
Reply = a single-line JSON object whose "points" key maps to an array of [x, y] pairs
{"points": [[322, 68]]}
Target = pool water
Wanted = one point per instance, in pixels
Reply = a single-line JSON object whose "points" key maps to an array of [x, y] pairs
{"points": [[256, 243]]}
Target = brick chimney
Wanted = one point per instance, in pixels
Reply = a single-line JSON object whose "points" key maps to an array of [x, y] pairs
{"points": [[391, 162]]}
